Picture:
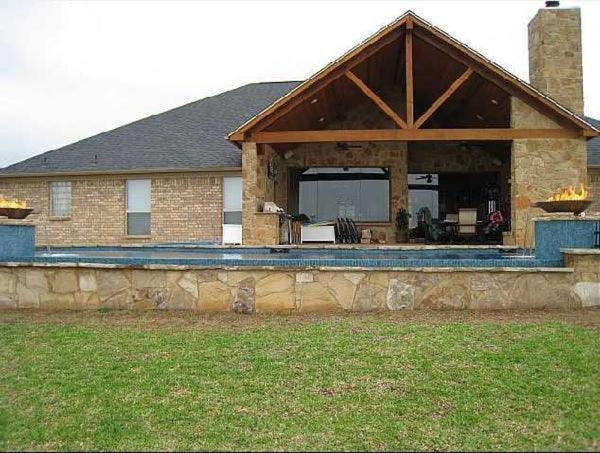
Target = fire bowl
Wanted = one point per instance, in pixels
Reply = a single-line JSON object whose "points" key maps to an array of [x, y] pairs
{"points": [[15, 213], [574, 206]]}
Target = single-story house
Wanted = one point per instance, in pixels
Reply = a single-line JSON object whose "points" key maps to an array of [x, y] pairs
{"points": [[408, 118]]}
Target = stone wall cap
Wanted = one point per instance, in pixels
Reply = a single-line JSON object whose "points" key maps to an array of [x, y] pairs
{"points": [[16, 222], [291, 268], [565, 216], [581, 251]]}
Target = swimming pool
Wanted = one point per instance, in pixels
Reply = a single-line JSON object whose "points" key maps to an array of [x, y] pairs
{"points": [[207, 256]]}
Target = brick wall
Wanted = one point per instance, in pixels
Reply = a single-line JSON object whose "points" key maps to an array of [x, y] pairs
{"points": [[185, 207]]}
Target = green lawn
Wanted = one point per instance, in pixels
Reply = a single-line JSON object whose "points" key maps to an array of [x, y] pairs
{"points": [[116, 381]]}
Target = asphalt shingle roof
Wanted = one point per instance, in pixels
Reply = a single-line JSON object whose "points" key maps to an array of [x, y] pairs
{"points": [[192, 136], [593, 145]]}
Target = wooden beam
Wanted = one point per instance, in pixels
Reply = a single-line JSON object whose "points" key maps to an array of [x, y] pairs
{"points": [[390, 135], [410, 105], [376, 99], [444, 97]]}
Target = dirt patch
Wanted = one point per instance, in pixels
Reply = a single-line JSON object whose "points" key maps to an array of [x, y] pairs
{"points": [[589, 317]]}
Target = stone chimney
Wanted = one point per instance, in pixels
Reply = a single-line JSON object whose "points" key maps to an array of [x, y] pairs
{"points": [[555, 55]]}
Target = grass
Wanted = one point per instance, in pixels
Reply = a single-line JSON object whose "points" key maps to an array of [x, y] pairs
{"points": [[118, 381]]}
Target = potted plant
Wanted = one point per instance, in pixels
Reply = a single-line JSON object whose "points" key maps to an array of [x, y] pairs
{"points": [[402, 219]]}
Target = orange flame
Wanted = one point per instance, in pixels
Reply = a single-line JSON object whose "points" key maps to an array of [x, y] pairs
{"points": [[7, 203], [569, 193]]}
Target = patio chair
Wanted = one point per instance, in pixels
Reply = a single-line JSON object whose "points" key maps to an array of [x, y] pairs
{"points": [[467, 222], [432, 228]]}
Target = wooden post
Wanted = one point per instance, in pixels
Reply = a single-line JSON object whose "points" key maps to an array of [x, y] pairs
{"points": [[409, 75]]}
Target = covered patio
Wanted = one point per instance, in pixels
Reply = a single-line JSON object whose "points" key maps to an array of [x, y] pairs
{"points": [[408, 119]]}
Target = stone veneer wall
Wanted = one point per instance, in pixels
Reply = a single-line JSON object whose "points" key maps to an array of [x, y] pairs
{"points": [[587, 275], [540, 167], [185, 207], [594, 186], [555, 55], [285, 291], [256, 189], [450, 157], [266, 229]]}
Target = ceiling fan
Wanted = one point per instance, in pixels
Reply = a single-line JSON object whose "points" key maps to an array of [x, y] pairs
{"points": [[428, 178], [343, 146]]}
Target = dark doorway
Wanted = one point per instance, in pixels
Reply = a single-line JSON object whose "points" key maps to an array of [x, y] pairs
{"points": [[469, 190]]}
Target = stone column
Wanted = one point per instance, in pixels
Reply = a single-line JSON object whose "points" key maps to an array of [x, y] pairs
{"points": [[539, 167], [249, 189]]}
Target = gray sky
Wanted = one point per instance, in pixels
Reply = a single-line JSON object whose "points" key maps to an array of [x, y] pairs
{"points": [[72, 69]]}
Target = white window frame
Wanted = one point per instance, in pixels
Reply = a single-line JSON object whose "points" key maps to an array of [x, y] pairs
{"points": [[137, 211], [51, 207], [223, 197]]}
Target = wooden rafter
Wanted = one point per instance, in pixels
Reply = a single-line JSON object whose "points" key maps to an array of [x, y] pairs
{"points": [[389, 135], [410, 88], [443, 98], [376, 99], [497, 76]]}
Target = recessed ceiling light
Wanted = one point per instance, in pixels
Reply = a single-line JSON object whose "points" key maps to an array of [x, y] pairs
{"points": [[479, 117], [321, 119], [494, 101], [314, 101]]}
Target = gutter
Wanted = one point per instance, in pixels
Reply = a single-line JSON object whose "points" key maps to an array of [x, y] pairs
{"points": [[122, 172]]}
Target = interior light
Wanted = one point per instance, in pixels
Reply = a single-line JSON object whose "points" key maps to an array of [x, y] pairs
{"points": [[321, 119], [314, 101], [494, 101], [479, 117]]}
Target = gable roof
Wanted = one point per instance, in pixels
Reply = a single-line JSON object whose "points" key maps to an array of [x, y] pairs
{"points": [[190, 137], [480, 64], [593, 146]]}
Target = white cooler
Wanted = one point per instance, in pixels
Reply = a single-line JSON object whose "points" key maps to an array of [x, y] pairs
{"points": [[324, 233]]}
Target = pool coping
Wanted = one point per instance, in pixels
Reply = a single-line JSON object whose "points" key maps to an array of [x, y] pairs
{"points": [[286, 268], [291, 246], [581, 251]]}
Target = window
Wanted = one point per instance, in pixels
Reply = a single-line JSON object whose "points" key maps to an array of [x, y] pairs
{"points": [[232, 200], [138, 207], [362, 194], [60, 199]]}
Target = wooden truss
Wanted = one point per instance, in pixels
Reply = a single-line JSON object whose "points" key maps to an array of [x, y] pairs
{"points": [[408, 129]]}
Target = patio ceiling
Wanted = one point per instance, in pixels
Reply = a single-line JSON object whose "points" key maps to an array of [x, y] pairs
{"points": [[474, 103]]}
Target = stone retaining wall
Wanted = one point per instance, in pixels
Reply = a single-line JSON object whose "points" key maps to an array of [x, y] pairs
{"points": [[278, 290], [587, 274]]}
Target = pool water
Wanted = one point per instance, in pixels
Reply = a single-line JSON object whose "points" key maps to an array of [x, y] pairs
{"points": [[293, 257]]}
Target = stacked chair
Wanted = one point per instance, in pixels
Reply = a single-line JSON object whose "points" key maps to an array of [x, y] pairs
{"points": [[346, 231]]}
